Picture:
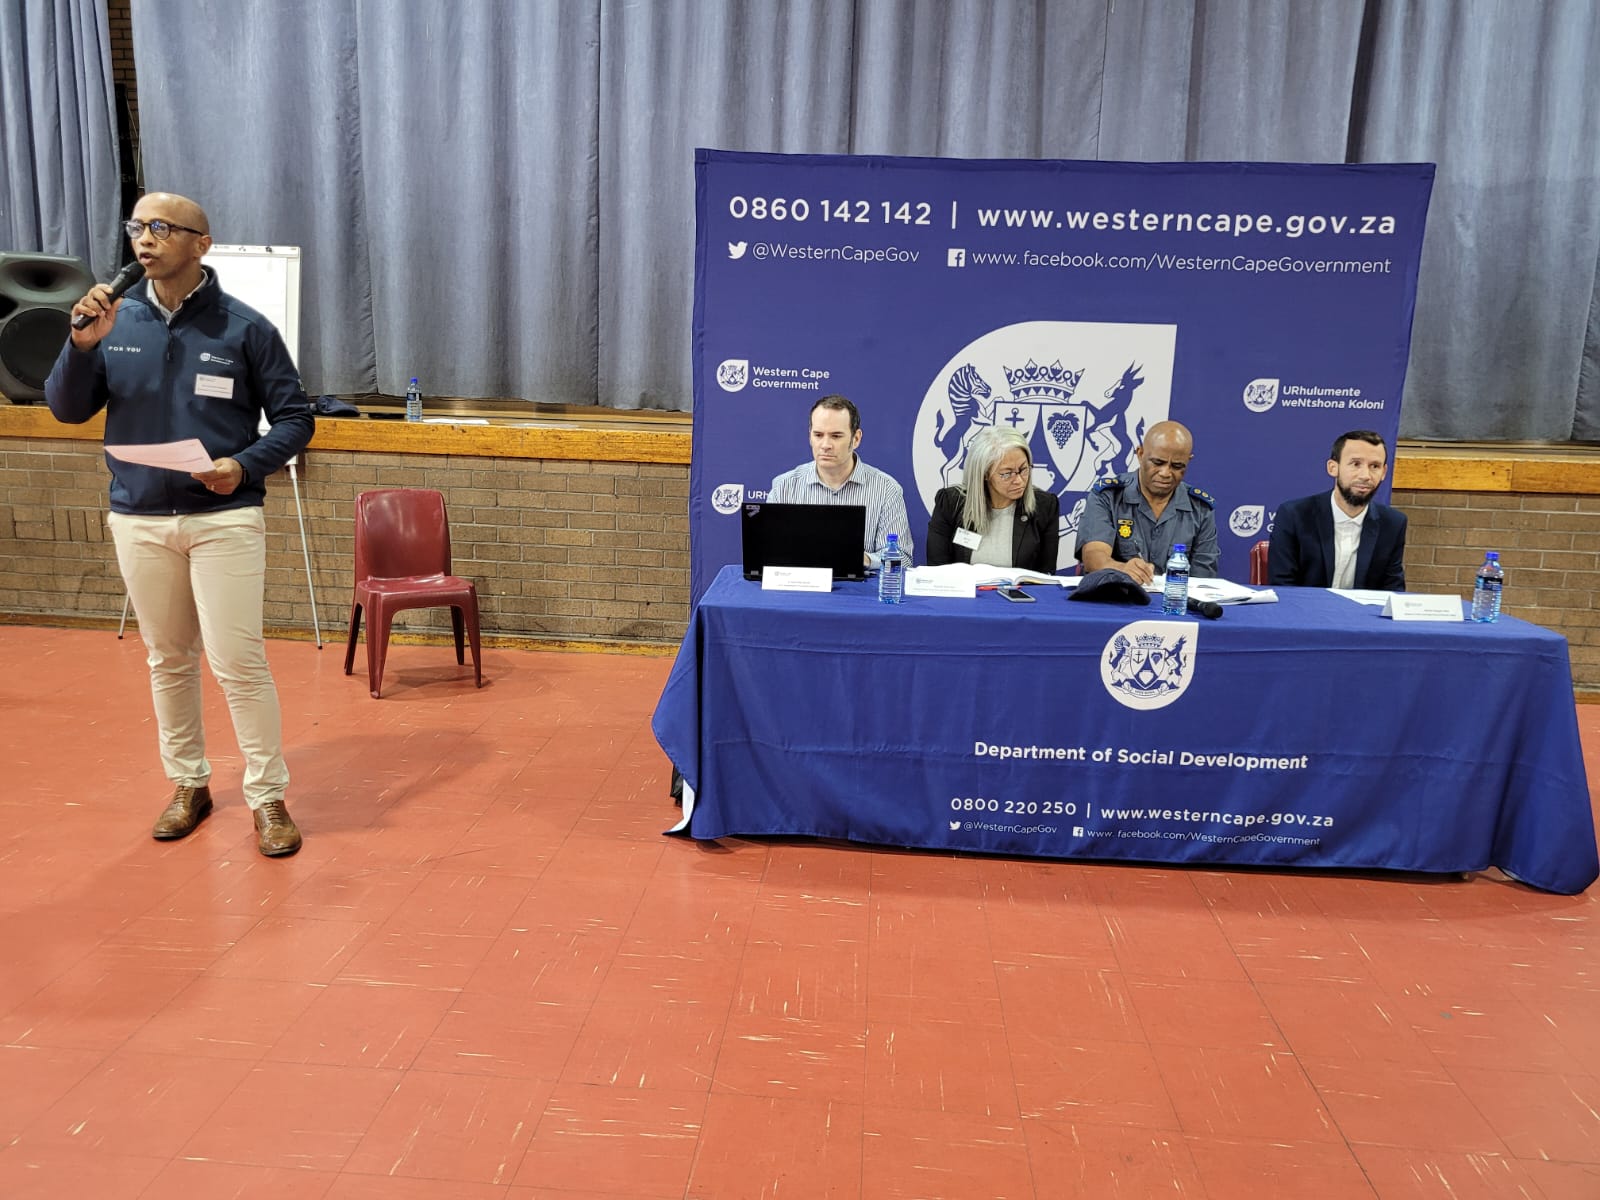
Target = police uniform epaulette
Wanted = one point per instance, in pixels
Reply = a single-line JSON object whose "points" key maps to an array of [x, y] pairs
{"points": [[1111, 483], [1205, 498]]}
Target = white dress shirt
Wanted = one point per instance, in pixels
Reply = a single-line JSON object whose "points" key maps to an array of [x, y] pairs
{"points": [[1346, 542]]}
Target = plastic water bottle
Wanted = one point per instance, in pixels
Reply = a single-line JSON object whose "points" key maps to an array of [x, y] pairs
{"points": [[1175, 599], [892, 572], [1486, 591], [413, 402]]}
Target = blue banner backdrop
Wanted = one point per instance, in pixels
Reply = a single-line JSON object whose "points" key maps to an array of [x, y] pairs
{"points": [[1267, 306]]}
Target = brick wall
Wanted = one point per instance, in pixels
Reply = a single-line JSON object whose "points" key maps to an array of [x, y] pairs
{"points": [[120, 22], [559, 549], [1546, 544]]}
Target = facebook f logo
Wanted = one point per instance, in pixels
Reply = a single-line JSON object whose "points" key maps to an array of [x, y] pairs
{"points": [[955, 258]]}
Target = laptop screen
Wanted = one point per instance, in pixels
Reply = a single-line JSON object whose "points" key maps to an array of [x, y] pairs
{"points": [[804, 535]]}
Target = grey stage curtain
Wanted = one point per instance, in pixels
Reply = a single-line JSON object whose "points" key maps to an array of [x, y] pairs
{"points": [[1502, 95], [677, 74], [435, 163], [497, 195], [59, 186]]}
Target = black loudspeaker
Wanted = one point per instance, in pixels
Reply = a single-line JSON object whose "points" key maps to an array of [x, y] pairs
{"points": [[37, 292]]}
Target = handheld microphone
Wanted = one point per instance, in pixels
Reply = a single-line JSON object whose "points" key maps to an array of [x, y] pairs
{"points": [[1205, 608], [120, 282]]}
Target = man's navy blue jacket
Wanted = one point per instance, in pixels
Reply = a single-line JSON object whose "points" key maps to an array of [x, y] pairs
{"points": [[145, 375]]}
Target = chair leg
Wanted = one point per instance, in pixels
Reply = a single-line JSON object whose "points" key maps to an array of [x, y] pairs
{"points": [[477, 648], [457, 625], [350, 644], [378, 622]]}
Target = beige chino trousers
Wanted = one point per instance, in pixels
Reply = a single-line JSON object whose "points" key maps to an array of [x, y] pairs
{"points": [[196, 583]]}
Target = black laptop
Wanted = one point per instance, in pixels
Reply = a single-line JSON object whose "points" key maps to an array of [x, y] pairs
{"points": [[804, 535]]}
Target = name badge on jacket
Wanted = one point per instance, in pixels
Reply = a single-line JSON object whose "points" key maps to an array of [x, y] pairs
{"points": [[219, 386]]}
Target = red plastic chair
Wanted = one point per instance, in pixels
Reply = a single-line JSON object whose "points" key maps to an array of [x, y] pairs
{"points": [[1258, 563], [403, 561]]}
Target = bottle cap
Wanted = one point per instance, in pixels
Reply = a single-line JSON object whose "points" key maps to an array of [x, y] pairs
{"points": [[413, 381], [1493, 556], [1180, 548], [895, 538]]}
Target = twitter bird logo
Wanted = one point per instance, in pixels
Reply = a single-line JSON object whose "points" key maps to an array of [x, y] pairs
{"points": [[736, 249]]}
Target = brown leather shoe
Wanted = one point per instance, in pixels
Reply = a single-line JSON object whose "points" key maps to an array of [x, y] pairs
{"points": [[276, 833], [189, 806]]}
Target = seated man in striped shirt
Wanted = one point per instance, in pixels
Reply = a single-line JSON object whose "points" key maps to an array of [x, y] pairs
{"points": [[836, 475]]}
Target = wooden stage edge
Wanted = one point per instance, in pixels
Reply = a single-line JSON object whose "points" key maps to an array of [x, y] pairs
{"points": [[617, 436]]}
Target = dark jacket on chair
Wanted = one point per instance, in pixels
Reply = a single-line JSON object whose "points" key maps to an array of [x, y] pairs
{"points": [[1302, 546], [1035, 537]]}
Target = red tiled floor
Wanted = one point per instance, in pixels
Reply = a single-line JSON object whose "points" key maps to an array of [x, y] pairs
{"points": [[1283, 1170], [488, 977], [32, 1078], [789, 1058], [1258, 1092], [1538, 1115], [138, 1104], [620, 1139], [765, 1148], [951, 1060], [1092, 1162], [364, 1025], [1398, 1174], [291, 1115], [915, 1153], [1096, 1082], [1398, 1104], [473, 1128]]}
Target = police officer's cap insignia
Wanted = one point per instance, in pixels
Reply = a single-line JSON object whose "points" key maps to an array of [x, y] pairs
{"points": [[1111, 483], [1124, 528], [1205, 498]]}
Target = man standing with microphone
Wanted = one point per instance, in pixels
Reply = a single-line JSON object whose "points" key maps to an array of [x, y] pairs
{"points": [[178, 358]]}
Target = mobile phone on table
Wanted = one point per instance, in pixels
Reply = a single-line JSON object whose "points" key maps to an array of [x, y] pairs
{"points": [[1016, 595]]}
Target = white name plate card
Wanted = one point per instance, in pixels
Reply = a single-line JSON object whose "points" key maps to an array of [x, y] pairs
{"points": [[1409, 606], [938, 583], [796, 579]]}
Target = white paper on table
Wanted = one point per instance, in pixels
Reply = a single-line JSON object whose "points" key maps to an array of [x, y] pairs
{"points": [[1223, 591], [1362, 595], [984, 575], [188, 456]]}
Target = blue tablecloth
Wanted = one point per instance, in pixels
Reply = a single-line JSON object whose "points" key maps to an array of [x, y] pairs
{"points": [[1309, 733]]}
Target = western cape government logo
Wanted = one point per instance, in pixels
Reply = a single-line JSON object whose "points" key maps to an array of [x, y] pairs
{"points": [[1081, 392], [1263, 394], [1247, 519], [727, 497], [1148, 664], [1260, 394], [733, 374]]}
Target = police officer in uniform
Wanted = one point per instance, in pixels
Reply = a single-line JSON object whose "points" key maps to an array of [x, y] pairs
{"points": [[1131, 521]]}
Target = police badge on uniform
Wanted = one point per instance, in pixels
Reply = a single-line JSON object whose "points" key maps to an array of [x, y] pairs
{"points": [[1125, 528]]}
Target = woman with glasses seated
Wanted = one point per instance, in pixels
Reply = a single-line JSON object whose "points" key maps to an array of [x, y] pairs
{"points": [[996, 516]]}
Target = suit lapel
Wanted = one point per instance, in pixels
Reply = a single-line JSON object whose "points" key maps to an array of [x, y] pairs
{"points": [[1322, 519], [1021, 532], [1369, 542]]}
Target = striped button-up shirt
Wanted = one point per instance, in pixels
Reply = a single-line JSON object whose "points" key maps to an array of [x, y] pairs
{"points": [[878, 493]]}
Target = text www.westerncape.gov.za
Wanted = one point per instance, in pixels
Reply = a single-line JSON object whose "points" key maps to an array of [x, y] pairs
{"points": [[1133, 220]]}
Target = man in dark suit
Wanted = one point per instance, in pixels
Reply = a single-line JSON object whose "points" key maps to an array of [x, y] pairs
{"points": [[1342, 539]]}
